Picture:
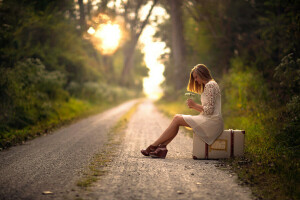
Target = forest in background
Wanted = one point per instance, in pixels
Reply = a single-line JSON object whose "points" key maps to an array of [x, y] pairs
{"points": [[253, 51], [51, 71]]}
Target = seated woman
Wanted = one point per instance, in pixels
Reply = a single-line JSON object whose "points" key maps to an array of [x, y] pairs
{"points": [[208, 124]]}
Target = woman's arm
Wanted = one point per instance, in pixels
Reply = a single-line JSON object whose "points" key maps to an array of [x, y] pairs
{"points": [[191, 104]]}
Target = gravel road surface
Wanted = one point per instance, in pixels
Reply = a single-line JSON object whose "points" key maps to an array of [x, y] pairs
{"points": [[54, 162], [133, 176]]}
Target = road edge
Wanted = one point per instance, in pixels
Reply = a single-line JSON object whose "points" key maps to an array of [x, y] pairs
{"points": [[101, 160]]}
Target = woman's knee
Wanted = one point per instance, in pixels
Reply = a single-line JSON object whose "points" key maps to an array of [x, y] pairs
{"points": [[177, 118]]}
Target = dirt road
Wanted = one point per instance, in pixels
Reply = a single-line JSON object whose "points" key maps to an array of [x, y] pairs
{"points": [[54, 162], [133, 176]]}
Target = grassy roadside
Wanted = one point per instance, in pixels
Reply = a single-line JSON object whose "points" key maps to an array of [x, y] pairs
{"points": [[102, 159], [64, 113], [269, 173]]}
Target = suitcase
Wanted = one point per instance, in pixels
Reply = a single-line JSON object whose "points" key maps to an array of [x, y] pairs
{"points": [[229, 144]]}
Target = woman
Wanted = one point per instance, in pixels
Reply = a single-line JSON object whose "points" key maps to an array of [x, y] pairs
{"points": [[208, 124]]}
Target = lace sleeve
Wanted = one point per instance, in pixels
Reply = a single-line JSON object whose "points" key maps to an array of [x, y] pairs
{"points": [[209, 107]]}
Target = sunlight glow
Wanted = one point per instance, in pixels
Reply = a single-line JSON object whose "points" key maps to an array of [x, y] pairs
{"points": [[152, 83], [107, 35], [153, 51], [91, 31], [110, 35]]}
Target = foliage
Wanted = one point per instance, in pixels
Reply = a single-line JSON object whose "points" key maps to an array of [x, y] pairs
{"points": [[288, 74], [25, 99], [58, 114], [270, 158], [195, 34], [135, 75], [244, 90], [253, 51], [97, 92], [47, 62]]}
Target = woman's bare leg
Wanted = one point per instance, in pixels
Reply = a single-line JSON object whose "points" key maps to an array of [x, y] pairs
{"points": [[169, 134], [182, 123]]}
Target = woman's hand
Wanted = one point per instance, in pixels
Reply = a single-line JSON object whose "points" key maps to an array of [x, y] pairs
{"points": [[190, 103]]}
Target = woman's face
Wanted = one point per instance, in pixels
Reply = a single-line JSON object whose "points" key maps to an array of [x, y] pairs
{"points": [[197, 78]]}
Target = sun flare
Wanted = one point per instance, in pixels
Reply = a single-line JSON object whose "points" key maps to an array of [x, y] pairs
{"points": [[106, 37]]}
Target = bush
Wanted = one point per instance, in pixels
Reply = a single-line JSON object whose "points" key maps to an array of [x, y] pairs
{"points": [[244, 92], [288, 73], [272, 132], [26, 93], [245, 106]]}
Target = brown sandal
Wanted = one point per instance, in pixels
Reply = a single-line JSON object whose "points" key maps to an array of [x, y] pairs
{"points": [[151, 148], [160, 152]]}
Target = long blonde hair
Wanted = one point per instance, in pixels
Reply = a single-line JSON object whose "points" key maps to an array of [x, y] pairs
{"points": [[204, 74]]}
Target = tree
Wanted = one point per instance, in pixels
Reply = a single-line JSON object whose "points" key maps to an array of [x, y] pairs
{"points": [[178, 44], [228, 24], [136, 28], [82, 15]]}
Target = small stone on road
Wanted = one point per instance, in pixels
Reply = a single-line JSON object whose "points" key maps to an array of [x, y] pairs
{"points": [[47, 192]]}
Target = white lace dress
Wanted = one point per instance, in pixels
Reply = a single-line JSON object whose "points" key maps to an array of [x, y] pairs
{"points": [[208, 124]]}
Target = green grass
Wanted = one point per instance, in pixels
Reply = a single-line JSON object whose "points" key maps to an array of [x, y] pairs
{"points": [[175, 107], [101, 160], [270, 170], [63, 113]]}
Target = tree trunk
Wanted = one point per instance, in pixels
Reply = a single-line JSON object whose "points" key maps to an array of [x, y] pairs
{"points": [[129, 52], [102, 6], [178, 45], [82, 15], [89, 9]]}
